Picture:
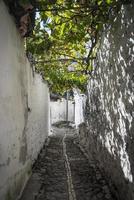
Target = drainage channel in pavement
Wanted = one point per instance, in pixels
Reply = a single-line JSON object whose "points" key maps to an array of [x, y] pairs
{"points": [[62, 172]]}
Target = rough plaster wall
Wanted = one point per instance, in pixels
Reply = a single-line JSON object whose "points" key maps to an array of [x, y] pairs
{"points": [[110, 106], [58, 111], [38, 125], [21, 132], [71, 111], [80, 100], [75, 109]]}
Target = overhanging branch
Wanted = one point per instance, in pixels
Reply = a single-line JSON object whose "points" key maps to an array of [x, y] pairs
{"points": [[63, 60]]}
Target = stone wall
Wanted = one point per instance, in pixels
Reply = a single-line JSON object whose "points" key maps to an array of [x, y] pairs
{"points": [[24, 110], [109, 134]]}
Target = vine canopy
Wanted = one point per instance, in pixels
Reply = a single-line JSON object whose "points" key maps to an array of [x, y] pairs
{"points": [[65, 39]]}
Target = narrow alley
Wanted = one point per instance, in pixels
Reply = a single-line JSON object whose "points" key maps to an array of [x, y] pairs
{"points": [[62, 172], [66, 100]]}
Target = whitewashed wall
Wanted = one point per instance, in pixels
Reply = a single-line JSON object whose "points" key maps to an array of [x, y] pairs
{"points": [[58, 110], [80, 100], [22, 132], [38, 125], [110, 104], [75, 109]]}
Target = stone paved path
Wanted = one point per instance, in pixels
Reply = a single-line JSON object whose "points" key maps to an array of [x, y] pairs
{"points": [[63, 172]]}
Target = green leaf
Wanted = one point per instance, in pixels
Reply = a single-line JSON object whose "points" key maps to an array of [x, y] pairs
{"points": [[61, 36]]}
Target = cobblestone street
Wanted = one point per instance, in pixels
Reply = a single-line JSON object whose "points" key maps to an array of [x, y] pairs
{"points": [[62, 172]]}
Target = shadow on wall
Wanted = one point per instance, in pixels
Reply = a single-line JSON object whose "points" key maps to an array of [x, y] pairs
{"points": [[121, 187], [109, 132]]}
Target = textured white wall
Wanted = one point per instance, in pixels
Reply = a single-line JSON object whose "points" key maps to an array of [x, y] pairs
{"points": [[75, 109], [39, 117], [80, 101], [21, 132], [71, 111], [110, 106], [58, 111]]}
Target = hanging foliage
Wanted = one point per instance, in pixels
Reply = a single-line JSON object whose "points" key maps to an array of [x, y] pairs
{"points": [[66, 37]]}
